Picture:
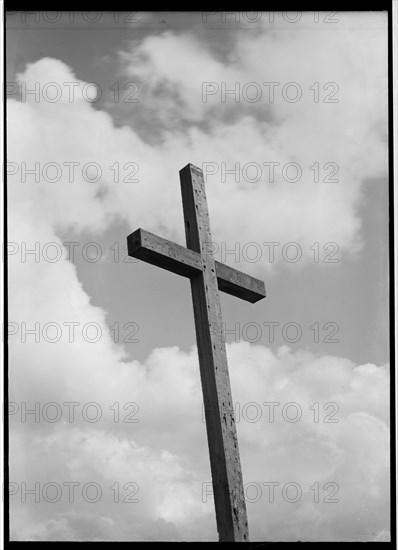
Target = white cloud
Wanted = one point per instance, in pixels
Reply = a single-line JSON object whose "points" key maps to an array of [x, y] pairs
{"points": [[350, 134], [165, 453]]}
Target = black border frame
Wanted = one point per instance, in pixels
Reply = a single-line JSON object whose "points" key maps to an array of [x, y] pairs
{"points": [[339, 6]]}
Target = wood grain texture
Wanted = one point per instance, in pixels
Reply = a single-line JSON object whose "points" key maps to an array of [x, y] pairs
{"points": [[163, 253], [220, 422], [180, 260]]}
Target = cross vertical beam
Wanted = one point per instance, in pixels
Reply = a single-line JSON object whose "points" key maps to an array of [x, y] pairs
{"points": [[220, 422]]}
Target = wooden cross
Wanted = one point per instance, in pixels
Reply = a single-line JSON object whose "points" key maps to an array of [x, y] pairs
{"points": [[207, 277]]}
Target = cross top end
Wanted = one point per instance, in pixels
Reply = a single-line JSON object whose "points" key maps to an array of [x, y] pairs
{"points": [[191, 166]]}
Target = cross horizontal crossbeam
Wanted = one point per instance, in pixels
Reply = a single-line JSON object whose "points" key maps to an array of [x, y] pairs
{"points": [[186, 262]]}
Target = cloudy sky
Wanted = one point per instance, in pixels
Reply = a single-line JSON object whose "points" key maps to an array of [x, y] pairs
{"points": [[287, 116]]}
